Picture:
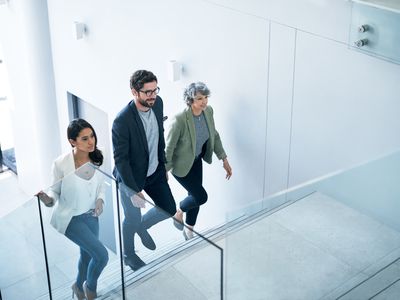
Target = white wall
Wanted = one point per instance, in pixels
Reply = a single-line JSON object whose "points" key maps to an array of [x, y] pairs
{"points": [[228, 47], [280, 99], [125, 37], [291, 101], [345, 111], [326, 18]]}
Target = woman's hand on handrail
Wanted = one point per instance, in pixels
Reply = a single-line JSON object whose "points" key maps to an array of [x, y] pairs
{"points": [[46, 199]]}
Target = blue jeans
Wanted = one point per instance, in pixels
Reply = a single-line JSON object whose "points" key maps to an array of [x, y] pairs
{"points": [[83, 230], [197, 195], [156, 186]]}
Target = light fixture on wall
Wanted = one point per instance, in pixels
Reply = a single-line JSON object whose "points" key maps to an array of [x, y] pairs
{"points": [[79, 30], [174, 70]]}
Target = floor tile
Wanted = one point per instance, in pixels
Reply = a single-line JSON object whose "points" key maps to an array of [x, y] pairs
{"points": [[33, 286], [345, 287], [347, 234], [168, 285], [11, 197], [19, 259], [391, 293], [268, 261], [203, 270], [391, 258], [375, 284]]}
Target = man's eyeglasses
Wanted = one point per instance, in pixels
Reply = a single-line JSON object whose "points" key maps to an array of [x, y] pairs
{"points": [[148, 93]]}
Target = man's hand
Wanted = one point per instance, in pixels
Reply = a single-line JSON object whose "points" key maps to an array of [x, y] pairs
{"points": [[138, 200]]}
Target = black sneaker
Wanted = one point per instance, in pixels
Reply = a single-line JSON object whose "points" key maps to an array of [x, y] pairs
{"points": [[134, 262], [147, 240]]}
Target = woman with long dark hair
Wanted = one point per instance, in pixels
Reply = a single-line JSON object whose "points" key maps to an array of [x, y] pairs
{"points": [[78, 192]]}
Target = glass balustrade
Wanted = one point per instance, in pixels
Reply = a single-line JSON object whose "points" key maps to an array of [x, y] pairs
{"points": [[373, 191], [334, 238], [179, 267], [71, 221], [22, 261]]}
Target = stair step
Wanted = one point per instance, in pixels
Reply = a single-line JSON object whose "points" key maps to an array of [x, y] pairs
{"points": [[375, 285], [110, 280]]}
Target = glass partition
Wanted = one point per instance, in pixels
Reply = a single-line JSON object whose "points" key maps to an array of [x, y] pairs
{"points": [[180, 267], [372, 191], [22, 262], [335, 238], [373, 29], [82, 235], [165, 257]]}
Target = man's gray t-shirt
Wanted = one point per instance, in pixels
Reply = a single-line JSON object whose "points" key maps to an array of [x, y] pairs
{"points": [[150, 125]]}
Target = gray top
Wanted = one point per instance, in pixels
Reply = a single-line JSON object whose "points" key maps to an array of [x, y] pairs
{"points": [[202, 133], [152, 135]]}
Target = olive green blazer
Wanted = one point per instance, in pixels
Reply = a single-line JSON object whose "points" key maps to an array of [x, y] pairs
{"points": [[181, 142]]}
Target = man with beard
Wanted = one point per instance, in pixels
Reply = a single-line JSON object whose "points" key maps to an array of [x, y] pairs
{"points": [[139, 154]]}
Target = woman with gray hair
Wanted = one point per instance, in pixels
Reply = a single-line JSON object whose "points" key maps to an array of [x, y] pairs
{"points": [[191, 139]]}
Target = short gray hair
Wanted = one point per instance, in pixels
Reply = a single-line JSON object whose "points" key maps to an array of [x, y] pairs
{"points": [[192, 90]]}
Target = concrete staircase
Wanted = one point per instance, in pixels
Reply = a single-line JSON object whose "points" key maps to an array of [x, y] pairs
{"points": [[313, 248]]}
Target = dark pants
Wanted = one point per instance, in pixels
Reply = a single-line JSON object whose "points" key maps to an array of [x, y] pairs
{"points": [[83, 230], [197, 195], [156, 186]]}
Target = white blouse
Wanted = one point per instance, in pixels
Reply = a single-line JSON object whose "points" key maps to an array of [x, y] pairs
{"points": [[74, 191]]}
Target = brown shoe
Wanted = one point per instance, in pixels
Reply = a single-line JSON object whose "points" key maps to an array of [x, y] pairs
{"points": [[90, 295], [80, 295]]}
